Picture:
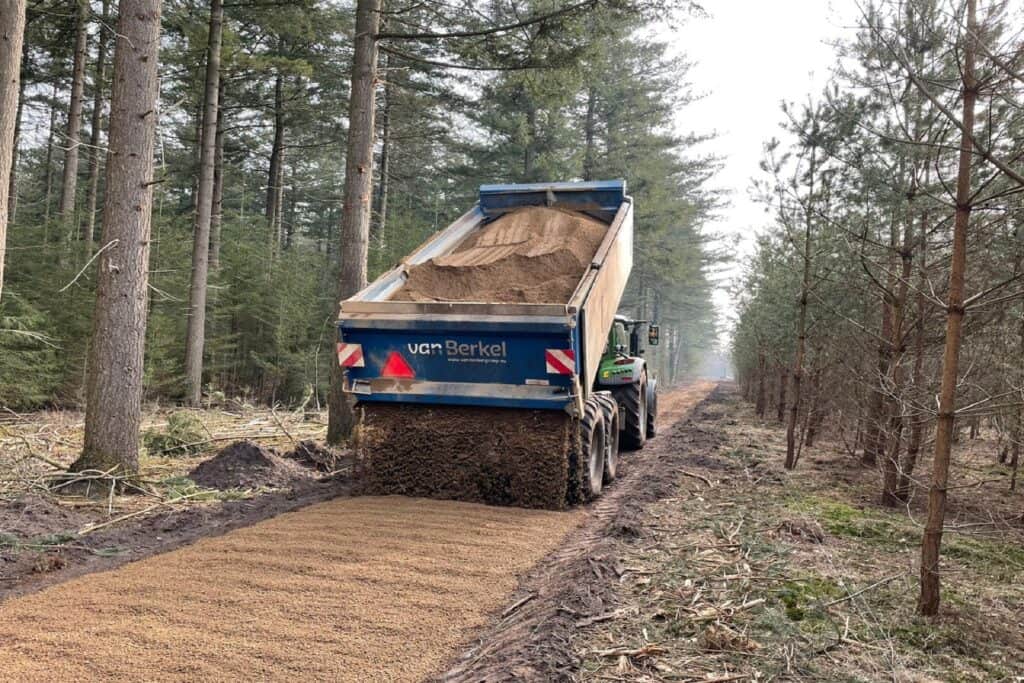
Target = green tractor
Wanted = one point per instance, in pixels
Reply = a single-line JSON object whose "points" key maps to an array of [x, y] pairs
{"points": [[623, 372]]}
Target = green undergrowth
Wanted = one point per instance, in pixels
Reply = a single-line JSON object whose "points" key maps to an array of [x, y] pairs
{"points": [[183, 436], [176, 488]]}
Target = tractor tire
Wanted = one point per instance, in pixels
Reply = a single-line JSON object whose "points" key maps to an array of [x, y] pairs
{"points": [[652, 409], [611, 436], [586, 462], [633, 399]]}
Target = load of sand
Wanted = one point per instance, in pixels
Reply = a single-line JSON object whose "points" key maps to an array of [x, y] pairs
{"points": [[531, 255]]}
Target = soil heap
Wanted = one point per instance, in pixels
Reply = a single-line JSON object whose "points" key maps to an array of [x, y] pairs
{"points": [[245, 464], [532, 255]]}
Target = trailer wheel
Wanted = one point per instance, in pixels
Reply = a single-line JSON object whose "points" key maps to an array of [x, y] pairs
{"points": [[611, 436], [652, 409], [633, 399], [586, 463]]}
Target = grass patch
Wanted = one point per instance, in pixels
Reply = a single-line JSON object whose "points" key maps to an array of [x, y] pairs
{"points": [[1002, 560], [840, 519]]}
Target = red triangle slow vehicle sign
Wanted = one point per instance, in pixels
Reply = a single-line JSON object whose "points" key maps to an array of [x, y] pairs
{"points": [[396, 366]]}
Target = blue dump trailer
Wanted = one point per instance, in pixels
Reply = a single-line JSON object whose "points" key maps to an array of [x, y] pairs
{"points": [[489, 401]]}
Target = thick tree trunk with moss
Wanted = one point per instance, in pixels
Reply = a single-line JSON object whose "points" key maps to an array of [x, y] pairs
{"points": [[357, 194], [115, 365], [11, 35]]}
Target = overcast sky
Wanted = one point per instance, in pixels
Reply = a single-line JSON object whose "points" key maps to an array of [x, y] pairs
{"points": [[751, 55]]}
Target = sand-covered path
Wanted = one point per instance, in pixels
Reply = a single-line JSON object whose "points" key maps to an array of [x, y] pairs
{"points": [[353, 589]]}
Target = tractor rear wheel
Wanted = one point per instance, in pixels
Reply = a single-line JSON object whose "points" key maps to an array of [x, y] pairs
{"points": [[652, 409], [633, 399], [611, 436]]}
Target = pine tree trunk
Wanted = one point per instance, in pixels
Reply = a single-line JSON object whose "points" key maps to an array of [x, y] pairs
{"points": [[12, 184], [94, 133], [49, 161], [780, 408], [276, 150], [196, 338], [918, 378], [589, 133], [801, 333], [72, 138], [893, 463], [217, 214], [355, 216], [928, 603], [762, 371], [115, 364], [385, 157], [11, 35]]}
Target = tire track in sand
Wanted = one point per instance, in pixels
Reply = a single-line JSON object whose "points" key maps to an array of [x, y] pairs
{"points": [[353, 589]]}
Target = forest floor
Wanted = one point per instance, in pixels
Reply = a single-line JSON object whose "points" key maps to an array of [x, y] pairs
{"points": [[747, 572], [706, 561], [47, 536]]}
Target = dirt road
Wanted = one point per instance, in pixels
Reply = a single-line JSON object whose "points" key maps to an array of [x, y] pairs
{"points": [[352, 589]]}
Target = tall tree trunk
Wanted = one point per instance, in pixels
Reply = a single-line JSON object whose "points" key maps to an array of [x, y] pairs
{"points": [[12, 184], [801, 329], [780, 408], [217, 214], [196, 339], [892, 463], [276, 150], [589, 134], [918, 377], [49, 159], [385, 156], [72, 137], [928, 603], [12, 33], [762, 371], [355, 216], [115, 364], [94, 133], [874, 433]]}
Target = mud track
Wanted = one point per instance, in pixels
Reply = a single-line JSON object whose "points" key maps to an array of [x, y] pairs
{"points": [[572, 587]]}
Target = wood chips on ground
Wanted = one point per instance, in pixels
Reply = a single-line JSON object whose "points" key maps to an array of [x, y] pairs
{"points": [[350, 590]]}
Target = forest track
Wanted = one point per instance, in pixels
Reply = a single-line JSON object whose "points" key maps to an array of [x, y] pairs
{"points": [[378, 588]]}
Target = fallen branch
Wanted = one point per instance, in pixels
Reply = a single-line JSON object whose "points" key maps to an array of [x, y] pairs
{"points": [[94, 527], [706, 481], [876, 584]]}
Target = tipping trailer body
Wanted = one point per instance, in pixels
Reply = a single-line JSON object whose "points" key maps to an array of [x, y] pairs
{"points": [[511, 355]]}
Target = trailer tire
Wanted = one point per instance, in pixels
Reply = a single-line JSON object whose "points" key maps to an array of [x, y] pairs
{"points": [[652, 409], [611, 436], [586, 462], [633, 399]]}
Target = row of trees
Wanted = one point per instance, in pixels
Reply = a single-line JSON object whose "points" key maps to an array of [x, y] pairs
{"points": [[262, 216], [886, 301]]}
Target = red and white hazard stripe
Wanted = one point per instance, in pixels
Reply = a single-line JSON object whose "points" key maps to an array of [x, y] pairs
{"points": [[351, 356], [560, 361]]}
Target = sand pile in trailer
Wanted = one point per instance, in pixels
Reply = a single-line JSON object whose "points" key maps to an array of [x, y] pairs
{"points": [[532, 255]]}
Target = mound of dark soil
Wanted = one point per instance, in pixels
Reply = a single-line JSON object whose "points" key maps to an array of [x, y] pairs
{"points": [[313, 455], [245, 464], [32, 515], [479, 455]]}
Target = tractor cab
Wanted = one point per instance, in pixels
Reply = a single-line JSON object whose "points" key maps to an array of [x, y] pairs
{"points": [[624, 372]]}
